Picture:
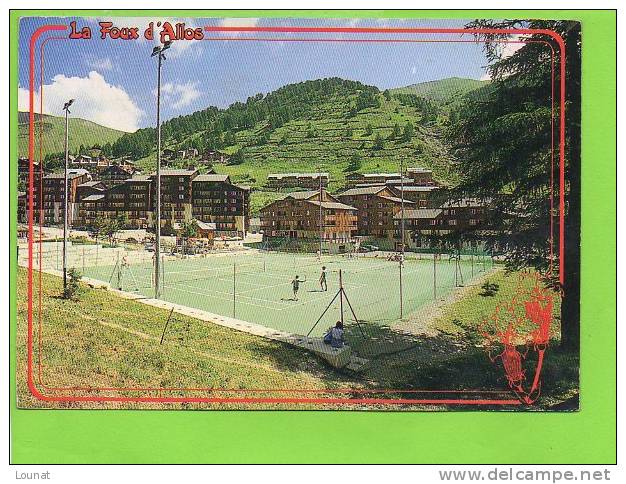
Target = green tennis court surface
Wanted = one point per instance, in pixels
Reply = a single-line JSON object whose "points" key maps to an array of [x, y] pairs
{"points": [[256, 287]]}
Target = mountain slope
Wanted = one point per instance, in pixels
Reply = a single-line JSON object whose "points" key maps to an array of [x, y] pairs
{"points": [[444, 90], [82, 132], [331, 125]]}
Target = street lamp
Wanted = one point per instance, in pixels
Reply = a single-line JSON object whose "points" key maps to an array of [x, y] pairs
{"points": [[158, 51], [66, 108]]}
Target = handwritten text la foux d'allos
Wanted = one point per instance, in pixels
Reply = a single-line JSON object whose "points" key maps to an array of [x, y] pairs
{"points": [[166, 31]]}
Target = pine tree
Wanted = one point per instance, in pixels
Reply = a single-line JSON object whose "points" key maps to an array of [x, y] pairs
{"points": [[395, 132], [407, 133], [379, 144], [503, 143]]}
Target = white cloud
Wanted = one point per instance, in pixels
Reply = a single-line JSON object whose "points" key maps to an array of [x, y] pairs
{"points": [[101, 64], [179, 95], [238, 22], [414, 70], [96, 100], [23, 102]]}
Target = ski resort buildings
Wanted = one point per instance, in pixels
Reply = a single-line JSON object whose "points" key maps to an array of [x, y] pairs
{"points": [[309, 215]]}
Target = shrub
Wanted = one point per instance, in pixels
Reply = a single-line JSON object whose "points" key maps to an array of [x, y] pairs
{"points": [[72, 289], [489, 289]]}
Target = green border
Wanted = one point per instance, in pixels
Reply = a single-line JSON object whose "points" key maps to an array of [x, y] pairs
{"points": [[102, 436]]}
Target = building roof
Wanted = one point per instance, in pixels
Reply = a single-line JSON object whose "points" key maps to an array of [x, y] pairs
{"points": [[418, 169], [90, 183], [71, 173], [465, 202], [213, 177], [93, 198], [372, 190], [302, 195], [139, 178], [381, 175], [177, 172], [332, 205], [398, 181], [278, 176], [420, 213], [117, 168], [418, 188], [397, 200], [206, 225]]}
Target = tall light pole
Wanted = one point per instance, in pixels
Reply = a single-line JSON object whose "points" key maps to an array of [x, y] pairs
{"points": [[402, 207], [158, 51], [319, 176], [401, 234], [66, 108]]}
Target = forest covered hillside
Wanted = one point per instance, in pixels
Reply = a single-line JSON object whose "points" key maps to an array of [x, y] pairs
{"points": [[331, 125]]}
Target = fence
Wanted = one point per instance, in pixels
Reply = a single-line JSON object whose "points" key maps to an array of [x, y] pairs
{"points": [[79, 256]]}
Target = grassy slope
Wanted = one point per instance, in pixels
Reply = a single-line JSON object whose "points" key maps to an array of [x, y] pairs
{"points": [[102, 340], [82, 132], [332, 147], [443, 89]]}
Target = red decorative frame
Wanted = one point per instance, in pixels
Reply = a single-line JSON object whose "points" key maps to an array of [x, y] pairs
{"points": [[288, 400]]}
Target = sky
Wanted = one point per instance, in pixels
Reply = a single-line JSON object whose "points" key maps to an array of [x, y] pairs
{"points": [[114, 81]]}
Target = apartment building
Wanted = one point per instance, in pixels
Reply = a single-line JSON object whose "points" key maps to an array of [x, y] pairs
{"points": [[420, 176], [309, 181], [53, 186], [176, 196], [376, 207], [130, 201], [424, 196], [453, 216], [216, 200], [114, 174], [297, 215], [369, 179]]}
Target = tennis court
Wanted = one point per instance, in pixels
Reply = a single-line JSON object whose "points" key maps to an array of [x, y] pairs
{"points": [[257, 286]]}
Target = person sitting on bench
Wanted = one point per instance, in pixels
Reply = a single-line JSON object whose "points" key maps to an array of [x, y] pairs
{"points": [[334, 336]]}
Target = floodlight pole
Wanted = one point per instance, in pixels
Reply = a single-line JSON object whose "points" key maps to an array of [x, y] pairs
{"points": [[65, 194], [435, 272], [402, 207], [157, 241], [401, 233], [319, 175]]}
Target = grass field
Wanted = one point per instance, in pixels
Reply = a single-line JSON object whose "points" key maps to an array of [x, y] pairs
{"points": [[102, 340], [256, 287]]}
